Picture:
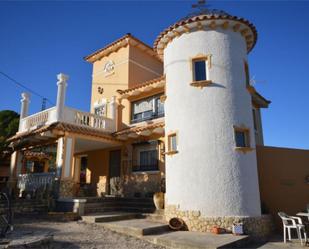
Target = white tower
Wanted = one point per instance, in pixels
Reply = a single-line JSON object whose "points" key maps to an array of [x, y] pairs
{"points": [[209, 176]]}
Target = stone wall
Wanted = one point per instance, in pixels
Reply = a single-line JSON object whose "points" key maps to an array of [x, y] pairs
{"points": [[255, 226], [21, 206], [142, 183], [67, 188], [101, 186]]}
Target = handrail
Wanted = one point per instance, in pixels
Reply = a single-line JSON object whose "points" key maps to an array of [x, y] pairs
{"points": [[70, 115], [35, 114]]}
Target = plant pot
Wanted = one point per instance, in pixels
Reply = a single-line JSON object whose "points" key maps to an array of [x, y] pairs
{"points": [[176, 224], [216, 230], [158, 199]]}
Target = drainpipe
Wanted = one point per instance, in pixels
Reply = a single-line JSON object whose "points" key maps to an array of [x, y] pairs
{"points": [[25, 100], [62, 85]]}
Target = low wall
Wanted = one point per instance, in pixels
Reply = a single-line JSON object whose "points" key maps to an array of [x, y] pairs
{"points": [[143, 184], [282, 179], [21, 206], [259, 227]]}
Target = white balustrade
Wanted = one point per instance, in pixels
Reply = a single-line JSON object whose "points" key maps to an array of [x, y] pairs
{"points": [[71, 116]]}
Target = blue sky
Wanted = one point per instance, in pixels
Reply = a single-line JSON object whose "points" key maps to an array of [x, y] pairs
{"points": [[39, 39]]}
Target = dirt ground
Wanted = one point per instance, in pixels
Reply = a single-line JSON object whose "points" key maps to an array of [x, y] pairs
{"points": [[76, 234]]}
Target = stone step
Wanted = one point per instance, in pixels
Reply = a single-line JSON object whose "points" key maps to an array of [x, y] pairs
{"points": [[118, 199], [98, 209], [109, 216], [120, 204], [136, 227], [154, 217], [138, 209], [198, 240]]}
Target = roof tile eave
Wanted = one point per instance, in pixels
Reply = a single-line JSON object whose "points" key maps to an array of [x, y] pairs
{"points": [[140, 128], [62, 126], [206, 17], [128, 35], [146, 83]]}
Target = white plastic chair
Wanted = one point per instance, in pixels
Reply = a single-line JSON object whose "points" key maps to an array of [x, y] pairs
{"points": [[292, 222]]}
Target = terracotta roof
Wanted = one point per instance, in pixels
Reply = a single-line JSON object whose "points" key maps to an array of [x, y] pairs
{"points": [[127, 36], [147, 83], [207, 16], [65, 127], [257, 98], [141, 127], [37, 155]]}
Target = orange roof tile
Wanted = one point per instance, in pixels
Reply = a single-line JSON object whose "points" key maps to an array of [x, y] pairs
{"points": [[202, 17], [147, 83], [127, 36], [64, 127], [140, 127]]}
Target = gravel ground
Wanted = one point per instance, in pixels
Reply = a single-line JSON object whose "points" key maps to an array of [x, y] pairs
{"points": [[75, 234]]}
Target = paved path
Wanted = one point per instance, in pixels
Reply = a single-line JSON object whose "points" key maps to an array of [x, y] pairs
{"points": [[78, 235], [73, 235]]}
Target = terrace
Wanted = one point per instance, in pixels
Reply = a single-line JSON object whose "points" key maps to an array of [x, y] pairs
{"points": [[64, 114]]}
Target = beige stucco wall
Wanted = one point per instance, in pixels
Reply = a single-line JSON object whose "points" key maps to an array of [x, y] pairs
{"points": [[282, 175], [114, 81], [98, 169], [133, 182], [143, 67], [132, 67]]}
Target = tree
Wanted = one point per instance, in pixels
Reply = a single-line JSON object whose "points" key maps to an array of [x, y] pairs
{"points": [[9, 121]]}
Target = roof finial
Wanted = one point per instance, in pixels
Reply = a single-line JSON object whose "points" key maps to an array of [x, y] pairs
{"points": [[201, 5]]}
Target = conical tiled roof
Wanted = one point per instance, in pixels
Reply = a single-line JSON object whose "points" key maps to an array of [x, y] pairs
{"points": [[207, 17]]}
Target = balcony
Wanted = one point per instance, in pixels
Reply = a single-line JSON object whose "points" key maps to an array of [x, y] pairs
{"points": [[64, 114], [70, 116]]}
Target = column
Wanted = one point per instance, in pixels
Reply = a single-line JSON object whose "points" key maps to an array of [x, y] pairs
{"points": [[62, 85], [15, 169], [113, 107], [24, 109], [64, 162]]}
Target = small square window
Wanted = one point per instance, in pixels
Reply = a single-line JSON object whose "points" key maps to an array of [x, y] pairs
{"points": [[200, 72], [242, 138], [172, 143]]}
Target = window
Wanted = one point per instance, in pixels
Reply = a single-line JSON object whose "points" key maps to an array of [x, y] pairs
{"points": [[100, 110], [147, 109], [200, 70], [100, 107], [242, 138], [200, 73], [145, 156], [172, 143]]}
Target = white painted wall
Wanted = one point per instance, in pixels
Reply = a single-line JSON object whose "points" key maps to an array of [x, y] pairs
{"points": [[208, 174], [68, 157]]}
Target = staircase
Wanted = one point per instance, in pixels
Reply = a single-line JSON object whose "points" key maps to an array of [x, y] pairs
{"points": [[119, 204]]}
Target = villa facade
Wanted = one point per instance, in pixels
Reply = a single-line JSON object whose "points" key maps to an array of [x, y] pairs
{"points": [[181, 114]]}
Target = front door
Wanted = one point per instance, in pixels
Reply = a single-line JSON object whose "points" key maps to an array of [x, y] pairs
{"points": [[114, 171]]}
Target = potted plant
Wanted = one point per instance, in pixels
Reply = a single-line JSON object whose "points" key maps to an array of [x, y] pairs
{"points": [[158, 197]]}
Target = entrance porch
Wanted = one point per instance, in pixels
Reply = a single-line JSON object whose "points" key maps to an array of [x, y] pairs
{"points": [[61, 149], [86, 162]]}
